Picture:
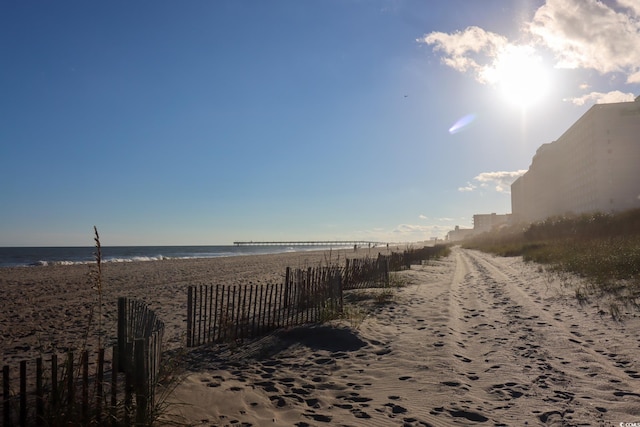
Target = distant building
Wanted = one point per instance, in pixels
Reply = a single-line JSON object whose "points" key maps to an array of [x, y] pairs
{"points": [[487, 222], [459, 234], [481, 224], [593, 167]]}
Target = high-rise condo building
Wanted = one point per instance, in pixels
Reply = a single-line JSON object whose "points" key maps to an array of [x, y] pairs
{"points": [[593, 167]]}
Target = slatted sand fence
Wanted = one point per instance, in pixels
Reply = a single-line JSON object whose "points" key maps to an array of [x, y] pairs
{"points": [[417, 256], [113, 386], [56, 390], [366, 273], [140, 334], [397, 261], [220, 313]]}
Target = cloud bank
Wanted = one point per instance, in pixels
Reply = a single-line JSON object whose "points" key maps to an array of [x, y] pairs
{"points": [[498, 181], [592, 35], [580, 34], [411, 232], [603, 98]]}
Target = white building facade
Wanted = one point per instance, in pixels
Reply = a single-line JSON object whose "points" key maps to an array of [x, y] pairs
{"points": [[593, 167], [487, 222]]}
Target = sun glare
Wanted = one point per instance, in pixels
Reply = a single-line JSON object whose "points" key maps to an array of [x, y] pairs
{"points": [[520, 75]]}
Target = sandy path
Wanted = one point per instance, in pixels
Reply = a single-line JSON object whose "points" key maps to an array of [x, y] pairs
{"points": [[472, 339]]}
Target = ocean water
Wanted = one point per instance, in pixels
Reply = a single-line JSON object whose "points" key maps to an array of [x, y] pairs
{"points": [[41, 256]]}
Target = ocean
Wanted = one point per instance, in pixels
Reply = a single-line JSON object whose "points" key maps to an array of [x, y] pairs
{"points": [[42, 256]]}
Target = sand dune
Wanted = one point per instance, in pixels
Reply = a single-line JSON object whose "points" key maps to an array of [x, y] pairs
{"points": [[472, 339]]}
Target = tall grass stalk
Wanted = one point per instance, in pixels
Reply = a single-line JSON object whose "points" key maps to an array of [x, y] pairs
{"points": [[98, 281]]}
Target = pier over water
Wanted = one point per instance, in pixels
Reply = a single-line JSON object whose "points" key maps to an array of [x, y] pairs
{"points": [[359, 243]]}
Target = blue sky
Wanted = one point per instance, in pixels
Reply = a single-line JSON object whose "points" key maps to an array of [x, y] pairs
{"points": [[205, 122]]}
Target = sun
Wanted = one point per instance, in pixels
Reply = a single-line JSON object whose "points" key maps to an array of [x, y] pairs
{"points": [[520, 75]]}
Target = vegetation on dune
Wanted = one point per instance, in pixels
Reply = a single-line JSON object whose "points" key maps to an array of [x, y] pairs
{"points": [[602, 248]]}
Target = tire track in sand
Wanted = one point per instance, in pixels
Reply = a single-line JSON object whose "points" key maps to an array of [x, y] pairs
{"points": [[510, 345]]}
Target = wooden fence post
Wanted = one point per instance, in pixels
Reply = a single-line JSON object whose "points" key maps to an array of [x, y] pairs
{"points": [[238, 307], [189, 314], [199, 298], [260, 311], [100, 388], [23, 393], [122, 333], [141, 379], [204, 318], [287, 279], [54, 381], [5, 396], [127, 397], [114, 383], [386, 272], [211, 313], [39, 393], [347, 271], [84, 360], [70, 384], [216, 313]]}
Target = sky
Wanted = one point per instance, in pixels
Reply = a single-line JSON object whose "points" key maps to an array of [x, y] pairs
{"points": [[207, 122]]}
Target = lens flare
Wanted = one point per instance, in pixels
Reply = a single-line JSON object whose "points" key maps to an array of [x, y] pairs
{"points": [[462, 123]]}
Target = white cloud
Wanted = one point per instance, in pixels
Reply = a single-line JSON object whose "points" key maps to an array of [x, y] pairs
{"points": [[632, 5], [590, 34], [634, 78], [422, 217], [412, 232], [603, 98], [405, 232], [473, 49], [409, 228], [500, 181], [581, 34], [468, 187]]}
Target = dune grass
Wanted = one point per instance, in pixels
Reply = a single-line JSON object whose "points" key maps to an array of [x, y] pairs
{"points": [[604, 249]]}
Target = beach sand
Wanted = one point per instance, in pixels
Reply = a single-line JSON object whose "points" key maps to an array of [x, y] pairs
{"points": [[48, 308], [470, 339]]}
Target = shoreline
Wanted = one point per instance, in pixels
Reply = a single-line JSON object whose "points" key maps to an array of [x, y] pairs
{"points": [[50, 256]]}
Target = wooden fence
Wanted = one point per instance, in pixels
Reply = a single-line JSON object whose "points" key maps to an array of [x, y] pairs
{"points": [[90, 389], [218, 313], [366, 273], [67, 391], [414, 256], [140, 334]]}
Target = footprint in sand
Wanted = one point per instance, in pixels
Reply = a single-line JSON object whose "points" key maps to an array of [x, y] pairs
{"points": [[472, 376], [471, 416], [359, 413], [462, 358], [632, 374], [318, 417], [396, 409]]}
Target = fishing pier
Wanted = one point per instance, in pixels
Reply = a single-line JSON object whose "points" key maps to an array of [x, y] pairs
{"points": [[358, 243]]}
